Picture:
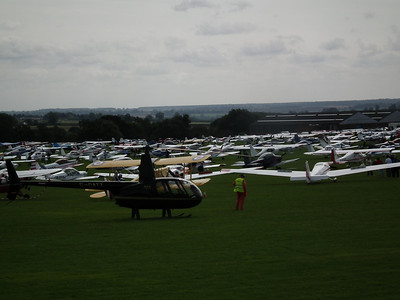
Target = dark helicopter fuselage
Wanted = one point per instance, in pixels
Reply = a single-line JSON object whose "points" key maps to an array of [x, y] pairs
{"points": [[164, 193], [161, 193]]}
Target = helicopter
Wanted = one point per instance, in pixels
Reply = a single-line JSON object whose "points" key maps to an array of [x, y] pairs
{"points": [[165, 193]]}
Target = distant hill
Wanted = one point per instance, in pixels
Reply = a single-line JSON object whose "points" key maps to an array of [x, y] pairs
{"points": [[211, 112]]}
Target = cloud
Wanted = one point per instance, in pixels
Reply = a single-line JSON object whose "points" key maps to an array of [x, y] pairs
{"points": [[193, 4], [10, 25], [334, 44], [174, 43], [394, 42], [206, 56], [225, 29], [238, 5], [369, 15], [150, 70], [279, 46], [308, 58], [368, 50]]}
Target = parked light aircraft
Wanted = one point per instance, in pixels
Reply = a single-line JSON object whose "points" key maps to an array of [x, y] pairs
{"points": [[59, 163], [30, 173], [375, 151], [349, 157], [264, 160], [220, 151], [68, 174], [269, 148], [321, 171], [8, 187], [149, 192]]}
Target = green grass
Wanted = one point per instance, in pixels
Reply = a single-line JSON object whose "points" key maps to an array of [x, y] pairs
{"points": [[292, 241]]}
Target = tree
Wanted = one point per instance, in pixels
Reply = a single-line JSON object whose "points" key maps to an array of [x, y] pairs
{"points": [[237, 121], [159, 116], [51, 118], [7, 128], [108, 130]]}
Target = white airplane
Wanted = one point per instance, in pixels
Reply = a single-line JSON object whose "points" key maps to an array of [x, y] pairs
{"points": [[220, 151], [321, 171], [59, 163], [69, 174], [323, 152], [31, 173], [275, 148], [114, 154], [349, 157]]}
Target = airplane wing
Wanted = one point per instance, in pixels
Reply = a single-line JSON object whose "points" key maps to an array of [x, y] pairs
{"points": [[301, 175], [361, 169], [87, 178], [181, 160], [110, 164], [253, 171], [342, 152], [223, 154], [279, 173], [124, 175], [209, 174], [35, 173], [286, 162], [200, 182]]}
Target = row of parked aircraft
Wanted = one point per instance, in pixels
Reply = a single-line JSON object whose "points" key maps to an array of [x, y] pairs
{"points": [[158, 182]]}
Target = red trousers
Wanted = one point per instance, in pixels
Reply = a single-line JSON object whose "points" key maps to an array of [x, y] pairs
{"points": [[240, 200]]}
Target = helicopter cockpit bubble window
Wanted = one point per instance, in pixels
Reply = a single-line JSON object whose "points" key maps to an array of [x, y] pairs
{"points": [[191, 189], [177, 187], [171, 187]]}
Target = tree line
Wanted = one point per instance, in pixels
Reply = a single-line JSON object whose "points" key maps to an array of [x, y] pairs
{"points": [[106, 127]]}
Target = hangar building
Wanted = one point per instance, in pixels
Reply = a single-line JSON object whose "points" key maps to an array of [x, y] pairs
{"points": [[301, 122]]}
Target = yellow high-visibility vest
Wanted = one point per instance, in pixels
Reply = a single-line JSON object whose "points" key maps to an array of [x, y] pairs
{"points": [[239, 185]]}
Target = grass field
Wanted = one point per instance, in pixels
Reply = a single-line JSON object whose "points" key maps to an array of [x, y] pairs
{"points": [[292, 241]]}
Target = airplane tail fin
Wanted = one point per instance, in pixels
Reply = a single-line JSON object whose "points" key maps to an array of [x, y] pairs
{"points": [[35, 166], [334, 156], [246, 158], [310, 148], [15, 183], [253, 151], [323, 142], [62, 152]]}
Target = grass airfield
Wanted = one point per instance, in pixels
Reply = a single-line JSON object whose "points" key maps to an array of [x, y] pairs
{"points": [[293, 241]]}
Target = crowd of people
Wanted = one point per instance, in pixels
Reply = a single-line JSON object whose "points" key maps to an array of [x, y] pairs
{"points": [[392, 172]]}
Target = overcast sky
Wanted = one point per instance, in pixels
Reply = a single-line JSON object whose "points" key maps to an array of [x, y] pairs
{"points": [[133, 53]]}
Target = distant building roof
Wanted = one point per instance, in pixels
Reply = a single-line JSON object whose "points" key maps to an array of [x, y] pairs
{"points": [[394, 117], [358, 118], [310, 121]]}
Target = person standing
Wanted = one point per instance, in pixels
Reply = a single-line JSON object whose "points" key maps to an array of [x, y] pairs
{"points": [[368, 162], [241, 191], [388, 171]]}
